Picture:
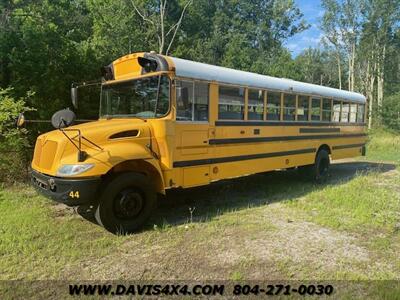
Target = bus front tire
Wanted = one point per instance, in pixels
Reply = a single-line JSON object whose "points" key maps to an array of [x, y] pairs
{"points": [[319, 171], [126, 203]]}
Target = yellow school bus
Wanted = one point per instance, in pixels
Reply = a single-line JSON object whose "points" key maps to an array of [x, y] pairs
{"points": [[171, 123]]}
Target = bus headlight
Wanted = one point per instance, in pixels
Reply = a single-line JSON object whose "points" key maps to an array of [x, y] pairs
{"points": [[71, 170]]}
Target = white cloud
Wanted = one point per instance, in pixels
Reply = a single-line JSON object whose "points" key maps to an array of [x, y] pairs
{"points": [[304, 41], [312, 37], [294, 47], [312, 40]]}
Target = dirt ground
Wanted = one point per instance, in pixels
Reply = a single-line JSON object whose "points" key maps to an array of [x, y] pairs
{"points": [[241, 233]]}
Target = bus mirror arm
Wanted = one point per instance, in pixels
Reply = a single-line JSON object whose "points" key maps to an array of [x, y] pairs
{"points": [[82, 155]]}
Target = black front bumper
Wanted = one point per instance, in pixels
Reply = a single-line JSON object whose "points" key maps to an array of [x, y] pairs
{"points": [[71, 192]]}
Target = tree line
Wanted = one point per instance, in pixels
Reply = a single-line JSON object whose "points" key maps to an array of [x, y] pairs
{"points": [[46, 45]]}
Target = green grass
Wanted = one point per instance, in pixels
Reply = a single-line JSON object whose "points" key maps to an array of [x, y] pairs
{"points": [[383, 146], [368, 208], [41, 244], [363, 203], [268, 226]]}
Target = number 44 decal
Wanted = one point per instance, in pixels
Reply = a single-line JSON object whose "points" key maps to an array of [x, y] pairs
{"points": [[74, 195]]}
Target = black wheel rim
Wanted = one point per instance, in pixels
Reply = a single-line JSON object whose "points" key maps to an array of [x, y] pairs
{"points": [[128, 204]]}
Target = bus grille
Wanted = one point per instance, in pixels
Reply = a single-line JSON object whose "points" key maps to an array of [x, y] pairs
{"points": [[38, 152]]}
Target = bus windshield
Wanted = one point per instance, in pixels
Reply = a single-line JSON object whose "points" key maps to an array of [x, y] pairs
{"points": [[140, 98]]}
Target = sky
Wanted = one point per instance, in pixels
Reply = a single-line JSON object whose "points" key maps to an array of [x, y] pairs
{"points": [[311, 37]]}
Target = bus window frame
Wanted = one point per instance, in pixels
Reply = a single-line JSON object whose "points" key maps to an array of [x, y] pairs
{"points": [[267, 92], [249, 89], [333, 110], [226, 85], [265, 105], [353, 103], [323, 110], [320, 108], [285, 107], [364, 114], [246, 104], [308, 107], [176, 99], [346, 102], [173, 92]]}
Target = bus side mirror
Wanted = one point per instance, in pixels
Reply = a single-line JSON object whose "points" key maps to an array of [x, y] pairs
{"points": [[74, 97], [63, 118], [20, 120]]}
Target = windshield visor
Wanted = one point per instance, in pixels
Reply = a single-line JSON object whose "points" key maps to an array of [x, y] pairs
{"points": [[141, 98]]}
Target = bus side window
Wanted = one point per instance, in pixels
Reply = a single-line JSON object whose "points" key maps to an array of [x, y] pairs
{"points": [[302, 108], [231, 103], [184, 100], [192, 101], [315, 109], [360, 113], [201, 101], [256, 105], [345, 112], [326, 110], [337, 109], [274, 106], [353, 113], [289, 107]]}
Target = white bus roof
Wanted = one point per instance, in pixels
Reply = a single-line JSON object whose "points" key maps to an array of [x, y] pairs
{"points": [[200, 71]]}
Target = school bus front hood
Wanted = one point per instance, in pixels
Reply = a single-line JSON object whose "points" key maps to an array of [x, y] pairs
{"points": [[106, 142]]}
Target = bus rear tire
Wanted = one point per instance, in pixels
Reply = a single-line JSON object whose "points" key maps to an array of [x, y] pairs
{"points": [[126, 203], [321, 166], [319, 171]]}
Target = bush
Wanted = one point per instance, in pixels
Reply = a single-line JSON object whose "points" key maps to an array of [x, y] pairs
{"points": [[13, 142], [390, 114]]}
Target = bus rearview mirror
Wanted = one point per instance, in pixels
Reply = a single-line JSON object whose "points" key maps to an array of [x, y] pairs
{"points": [[20, 121], [74, 97]]}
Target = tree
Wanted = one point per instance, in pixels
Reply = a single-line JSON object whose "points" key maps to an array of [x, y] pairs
{"points": [[117, 30], [362, 34], [247, 35], [392, 65], [390, 112], [318, 66], [11, 14], [156, 15], [48, 51], [341, 24], [332, 35], [380, 23], [13, 141]]}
